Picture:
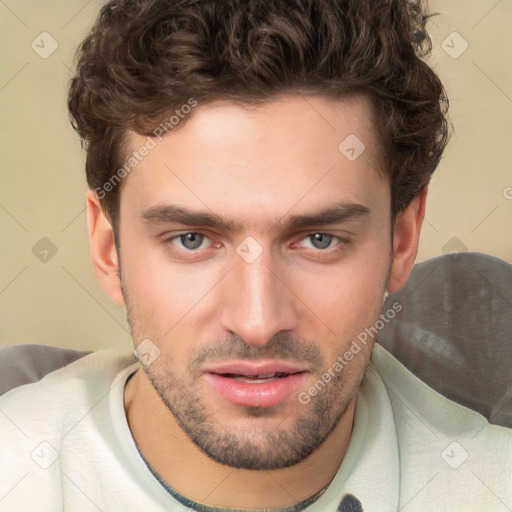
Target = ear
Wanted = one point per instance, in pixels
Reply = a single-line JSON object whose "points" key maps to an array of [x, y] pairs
{"points": [[103, 250], [406, 239]]}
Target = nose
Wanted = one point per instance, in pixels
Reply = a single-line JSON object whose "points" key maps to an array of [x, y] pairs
{"points": [[257, 301]]}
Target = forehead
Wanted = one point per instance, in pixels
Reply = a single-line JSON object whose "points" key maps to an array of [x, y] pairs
{"points": [[307, 149]]}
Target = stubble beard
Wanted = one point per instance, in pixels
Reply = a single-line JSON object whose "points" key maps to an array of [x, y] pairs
{"points": [[264, 440]]}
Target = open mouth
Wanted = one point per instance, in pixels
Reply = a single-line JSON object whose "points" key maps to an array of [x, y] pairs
{"points": [[242, 386]]}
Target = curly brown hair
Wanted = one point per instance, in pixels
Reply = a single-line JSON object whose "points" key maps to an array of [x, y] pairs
{"points": [[145, 58]]}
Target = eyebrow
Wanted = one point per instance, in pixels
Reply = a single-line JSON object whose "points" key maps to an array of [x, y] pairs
{"points": [[333, 214]]}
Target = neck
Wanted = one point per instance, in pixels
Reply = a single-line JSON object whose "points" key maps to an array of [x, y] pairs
{"points": [[187, 470]]}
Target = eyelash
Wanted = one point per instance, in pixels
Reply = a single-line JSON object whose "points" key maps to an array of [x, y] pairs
{"points": [[341, 241]]}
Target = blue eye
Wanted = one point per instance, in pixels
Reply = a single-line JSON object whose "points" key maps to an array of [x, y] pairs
{"points": [[321, 240], [191, 241]]}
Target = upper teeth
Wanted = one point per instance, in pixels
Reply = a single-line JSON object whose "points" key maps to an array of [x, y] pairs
{"points": [[257, 378], [254, 380]]}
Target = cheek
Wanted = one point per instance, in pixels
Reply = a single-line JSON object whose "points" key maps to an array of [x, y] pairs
{"points": [[162, 293], [163, 307], [341, 301]]}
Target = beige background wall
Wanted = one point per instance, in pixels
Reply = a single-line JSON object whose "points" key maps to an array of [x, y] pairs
{"points": [[58, 301]]}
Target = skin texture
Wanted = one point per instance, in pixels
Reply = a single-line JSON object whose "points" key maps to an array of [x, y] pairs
{"points": [[296, 302]]}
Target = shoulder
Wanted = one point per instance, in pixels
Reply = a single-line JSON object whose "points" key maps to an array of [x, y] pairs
{"points": [[26, 363], [56, 401], [411, 396], [443, 445], [62, 395], [46, 427], [76, 372]]}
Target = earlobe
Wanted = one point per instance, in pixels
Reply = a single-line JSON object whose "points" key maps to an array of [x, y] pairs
{"points": [[103, 250], [406, 239]]}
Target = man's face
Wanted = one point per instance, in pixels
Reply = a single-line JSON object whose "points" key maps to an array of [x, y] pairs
{"points": [[253, 252]]}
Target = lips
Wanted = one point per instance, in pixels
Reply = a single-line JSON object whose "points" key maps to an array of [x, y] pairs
{"points": [[262, 384]]}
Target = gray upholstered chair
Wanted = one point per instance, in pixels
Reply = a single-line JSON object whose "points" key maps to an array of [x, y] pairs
{"points": [[455, 330]]}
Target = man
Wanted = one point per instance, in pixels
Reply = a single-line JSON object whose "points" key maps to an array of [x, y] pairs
{"points": [[258, 173]]}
